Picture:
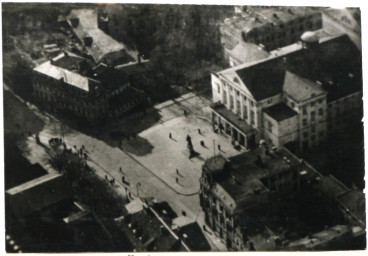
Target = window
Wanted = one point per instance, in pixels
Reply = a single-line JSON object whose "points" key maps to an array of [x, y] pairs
{"points": [[305, 135], [231, 102], [251, 103], [320, 111], [320, 101], [313, 137], [269, 126], [313, 115], [218, 88], [238, 107], [313, 129], [304, 110], [252, 117], [224, 97], [304, 122], [245, 98], [237, 93], [312, 104], [245, 112]]}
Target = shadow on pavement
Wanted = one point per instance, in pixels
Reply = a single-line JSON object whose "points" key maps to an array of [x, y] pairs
{"points": [[138, 146]]}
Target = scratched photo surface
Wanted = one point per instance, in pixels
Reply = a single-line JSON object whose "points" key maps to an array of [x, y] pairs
{"points": [[165, 128]]}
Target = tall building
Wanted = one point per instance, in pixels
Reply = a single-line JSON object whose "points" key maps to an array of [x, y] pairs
{"points": [[267, 199], [254, 31], [296, 95], [68, 83]]}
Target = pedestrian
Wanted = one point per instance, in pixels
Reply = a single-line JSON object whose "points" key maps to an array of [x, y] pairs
{"points": [[170, 135], [219, 147], [185, 112], [177, 180], [106, 178], [120, 169], [177, 171], [123, 179], [202, 143], [199, 131]]}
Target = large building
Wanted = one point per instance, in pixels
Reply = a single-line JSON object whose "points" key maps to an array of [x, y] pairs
{"points": [[67, 82], [255, 31], [297, 95], [261, 200]]}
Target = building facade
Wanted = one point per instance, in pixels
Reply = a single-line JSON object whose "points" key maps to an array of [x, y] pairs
{"points": [[258, 30], [67, 83], [296, 95], [242, 196]]}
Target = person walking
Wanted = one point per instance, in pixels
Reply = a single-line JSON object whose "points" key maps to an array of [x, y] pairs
{"points": [[170, 135]]}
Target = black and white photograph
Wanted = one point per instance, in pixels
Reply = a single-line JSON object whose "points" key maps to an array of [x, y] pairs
{"points": [[148, 127]]}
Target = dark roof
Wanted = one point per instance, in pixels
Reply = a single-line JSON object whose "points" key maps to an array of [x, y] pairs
{"points": [[68, 61], [264, 79], [330, 187], [165, 211], [243, 175], [37, 194], [109, 77], [117, 58], [233, 119], [215, 164], [280, 112], [193, 237], [354, 200], [336, 63]]}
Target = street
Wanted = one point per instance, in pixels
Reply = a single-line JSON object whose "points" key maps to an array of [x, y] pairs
{"points": [[158, 163]]}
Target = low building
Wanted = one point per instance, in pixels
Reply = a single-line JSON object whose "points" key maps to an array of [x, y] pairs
{"points": [[262, 200], [100, 47], [48, 193], [68, 83], [297, 95]]}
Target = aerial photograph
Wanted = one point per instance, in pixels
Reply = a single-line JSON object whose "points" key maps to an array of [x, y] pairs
{"points": [[182, 128]]}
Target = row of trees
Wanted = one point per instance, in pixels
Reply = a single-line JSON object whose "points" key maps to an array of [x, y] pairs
{"points": [[173, 37], [87, 186]]}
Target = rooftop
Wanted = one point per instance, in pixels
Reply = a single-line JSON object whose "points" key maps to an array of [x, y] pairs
{"points": [[280, 112], [102, 43], [335, 63], [265, 18], [69, 77], [299, 88], [240, 179], [248, 52], [37, 194]]}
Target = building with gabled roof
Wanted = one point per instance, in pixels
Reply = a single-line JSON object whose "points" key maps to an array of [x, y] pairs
{"points": [[318, 78]]}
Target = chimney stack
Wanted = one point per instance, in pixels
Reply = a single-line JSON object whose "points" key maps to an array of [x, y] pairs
{"points": [[139, 58]]}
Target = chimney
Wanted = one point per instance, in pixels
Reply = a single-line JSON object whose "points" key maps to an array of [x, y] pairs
{"points": [[74, 22], [139, 58], [88, 41]]}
